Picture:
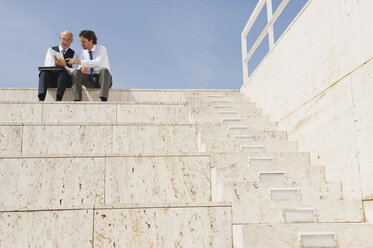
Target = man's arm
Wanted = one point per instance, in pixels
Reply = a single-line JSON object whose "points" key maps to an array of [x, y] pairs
{"points": [[100, 55], [51, 60], [59, 62], [75, 61]]}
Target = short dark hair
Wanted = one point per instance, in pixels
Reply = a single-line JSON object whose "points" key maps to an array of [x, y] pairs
{"points": [[89, 35]]}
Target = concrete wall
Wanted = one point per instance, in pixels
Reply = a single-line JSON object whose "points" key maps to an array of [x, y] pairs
{"points": [[317, 83]]}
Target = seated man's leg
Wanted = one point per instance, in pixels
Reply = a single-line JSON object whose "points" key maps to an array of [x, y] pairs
{"points": [[45, 81], [105, 81], [79, 79], [61, 84]]}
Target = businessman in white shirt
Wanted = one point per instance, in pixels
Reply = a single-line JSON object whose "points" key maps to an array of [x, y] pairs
{"points": [[59, 79], [94, 69]]}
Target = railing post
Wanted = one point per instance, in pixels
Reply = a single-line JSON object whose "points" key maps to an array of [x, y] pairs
{"points": [[244, 64], [271, 18], [271, 39]]}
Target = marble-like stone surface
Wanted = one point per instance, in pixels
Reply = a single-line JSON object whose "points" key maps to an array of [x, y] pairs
{"points": [[164, 227], [155, 139], [115, 95], [94, 140], [20, 113], [323, 94], [259, 191], [368, 211], [157, 179], [328, 41], [79, 113], [46, 229], [175, 113], [215, 136], [363, 117], [19, 94], [240, 159], [91, 113], [329, 134], [97, 140], [163, 96], [206, 112], [48, 183], [269, 146], [291, 173], [218, 132], [11, 140], [353, 235], [272, 211]]}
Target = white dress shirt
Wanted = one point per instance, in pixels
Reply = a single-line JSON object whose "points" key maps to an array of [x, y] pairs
{"points": [[49, 60], [100, 58]]}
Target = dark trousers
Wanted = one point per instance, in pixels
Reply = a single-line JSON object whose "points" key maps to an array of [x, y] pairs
{"points": [[102, 80], [53, 79]]}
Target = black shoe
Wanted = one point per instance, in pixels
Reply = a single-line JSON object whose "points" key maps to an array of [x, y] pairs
{"points": [[58, 98], [77, 100], [104, 99], [41, 97]]}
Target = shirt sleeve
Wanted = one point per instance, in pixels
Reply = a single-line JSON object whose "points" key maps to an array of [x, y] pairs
{"points": [[49, 60], [74, 66], [78, 57], [97, 62]]}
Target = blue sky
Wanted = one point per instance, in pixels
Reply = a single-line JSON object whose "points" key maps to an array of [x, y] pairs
{"points": [[162, 44]]}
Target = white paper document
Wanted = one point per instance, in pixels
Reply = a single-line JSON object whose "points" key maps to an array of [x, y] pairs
{"points": [[58, 56], [54, 53]]}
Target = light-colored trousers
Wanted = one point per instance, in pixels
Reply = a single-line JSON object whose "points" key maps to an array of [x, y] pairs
{"points": [[102, 80]]}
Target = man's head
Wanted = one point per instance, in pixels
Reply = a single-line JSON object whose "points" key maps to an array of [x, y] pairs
{"points": [[87, 39], [66, 38]]}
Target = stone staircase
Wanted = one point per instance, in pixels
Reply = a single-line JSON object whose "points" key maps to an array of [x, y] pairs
{"points": [[162, 168]]}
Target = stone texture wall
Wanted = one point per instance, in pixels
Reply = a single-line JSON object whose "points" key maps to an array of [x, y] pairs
{"points": [[316, 83]]}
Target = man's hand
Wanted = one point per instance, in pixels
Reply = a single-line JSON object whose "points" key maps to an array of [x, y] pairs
{"points": [[59, 62], [73, 61], [84, 69]]}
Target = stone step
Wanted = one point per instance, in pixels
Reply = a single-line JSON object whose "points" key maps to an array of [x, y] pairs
{"points": [[368, 210], [128, 138], [212, 94], [69, 228], [222, 101], [254, 122], [115, 95], [247, 108], [98, 140], [276, 191], [256, 174], [251, 148], [92, 113], [245, 129], [83, 182], [208, 112], [315, 235], [250, 125], [276, 212], [164, 227], [215, 132], [208, 225], [234, 98], [110, 113], [265, 146], [280, 160]]}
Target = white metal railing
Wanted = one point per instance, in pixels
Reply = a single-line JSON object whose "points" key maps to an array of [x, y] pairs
{"points": [[271, 18]]}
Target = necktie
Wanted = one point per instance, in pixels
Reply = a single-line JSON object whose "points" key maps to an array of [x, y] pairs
{"points": [[90, 69], [63, 52]]}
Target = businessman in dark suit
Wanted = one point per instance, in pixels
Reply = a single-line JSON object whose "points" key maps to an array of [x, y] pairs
{"points": [[60, 79]]}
